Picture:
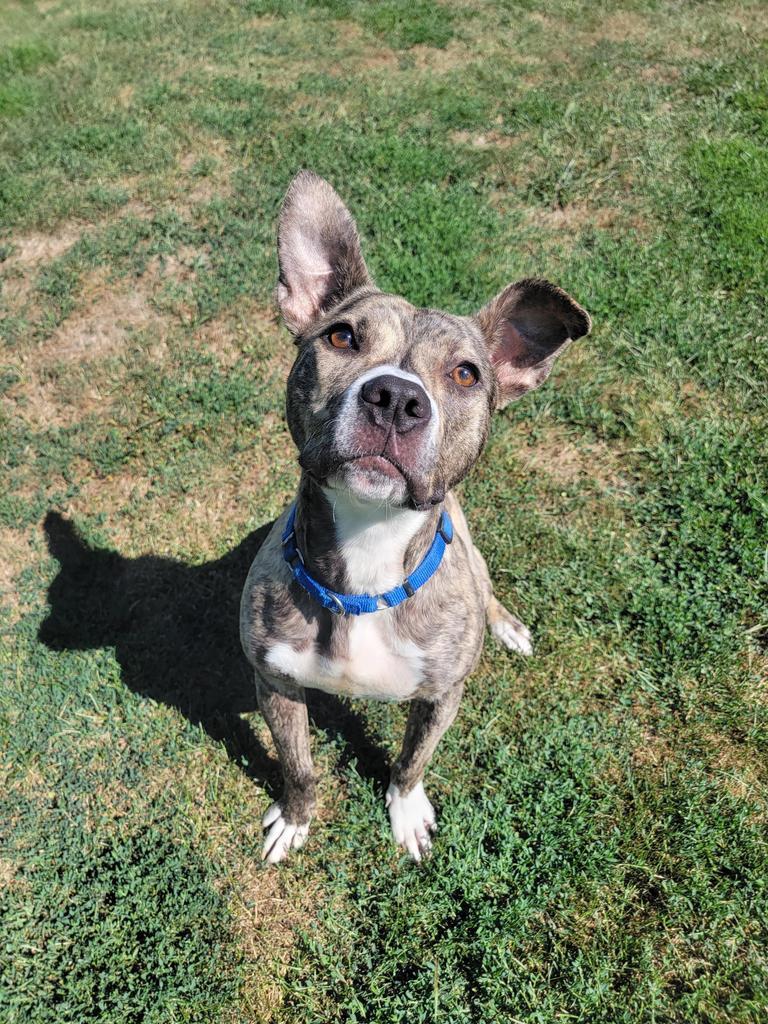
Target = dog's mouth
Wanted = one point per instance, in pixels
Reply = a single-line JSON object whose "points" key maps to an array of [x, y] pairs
{"points": [[384, 465], [375, 476]]}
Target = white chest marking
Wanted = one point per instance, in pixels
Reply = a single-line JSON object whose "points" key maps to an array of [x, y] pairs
{"points": [[372, 539], [378, 663]]}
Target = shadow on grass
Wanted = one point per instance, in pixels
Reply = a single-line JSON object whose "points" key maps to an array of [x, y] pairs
{"points": [[175, 631]]}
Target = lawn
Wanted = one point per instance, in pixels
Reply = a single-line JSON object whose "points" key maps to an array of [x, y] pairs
{"points": [[602, 852]]}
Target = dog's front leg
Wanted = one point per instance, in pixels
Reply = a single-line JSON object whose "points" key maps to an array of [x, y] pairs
{"points": [[411, 814], [288, 820]]}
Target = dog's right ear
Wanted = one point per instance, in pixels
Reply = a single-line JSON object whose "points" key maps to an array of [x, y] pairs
{"points": [[318, 252]]}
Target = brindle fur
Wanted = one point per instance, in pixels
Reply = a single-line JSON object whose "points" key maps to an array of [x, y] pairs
{"points": [[512, 343]]}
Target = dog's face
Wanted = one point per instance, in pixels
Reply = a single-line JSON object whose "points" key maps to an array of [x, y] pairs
{"points": [[385, 400]]}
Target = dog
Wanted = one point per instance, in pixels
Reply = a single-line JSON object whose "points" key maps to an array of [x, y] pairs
{"points": [[369, 584]]}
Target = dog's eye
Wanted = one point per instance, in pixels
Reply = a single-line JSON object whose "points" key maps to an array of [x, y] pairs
{"points": [[341, 337], [465, 375]]}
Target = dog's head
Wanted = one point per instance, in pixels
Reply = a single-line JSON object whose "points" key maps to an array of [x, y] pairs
{"points": [[386, 400]]}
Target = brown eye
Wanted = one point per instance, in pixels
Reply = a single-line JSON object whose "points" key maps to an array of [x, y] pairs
{"points": [[465, 375], [341, 337]]}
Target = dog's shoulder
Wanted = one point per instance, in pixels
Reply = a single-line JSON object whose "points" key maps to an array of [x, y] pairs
{"points": [[268, 610], [269, 563]]}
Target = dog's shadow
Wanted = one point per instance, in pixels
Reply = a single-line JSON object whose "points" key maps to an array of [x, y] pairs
{"points": [[174, 628]]}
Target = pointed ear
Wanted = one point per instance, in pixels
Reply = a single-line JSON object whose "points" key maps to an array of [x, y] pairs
{"points": [[526, 327], [318, 252], [64, 542]]}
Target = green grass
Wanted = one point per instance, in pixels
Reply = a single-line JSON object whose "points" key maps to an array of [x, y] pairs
{"points": [[602, 854]]}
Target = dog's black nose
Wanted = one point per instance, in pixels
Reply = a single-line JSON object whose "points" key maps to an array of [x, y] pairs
{"points": [[395, 401]]}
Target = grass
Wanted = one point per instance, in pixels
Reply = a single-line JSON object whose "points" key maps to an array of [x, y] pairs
{"points": [[602, 851]]}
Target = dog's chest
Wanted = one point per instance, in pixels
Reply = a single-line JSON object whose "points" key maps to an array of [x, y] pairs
{"points": [[371, 661], [368, 656]]}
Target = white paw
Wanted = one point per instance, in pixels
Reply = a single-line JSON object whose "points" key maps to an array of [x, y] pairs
{"points": [[513, 634], [282, 836], [412, 818]]}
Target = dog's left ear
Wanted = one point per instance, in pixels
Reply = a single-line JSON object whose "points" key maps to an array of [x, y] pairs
{"points": [[318, 252], [526, 327]]}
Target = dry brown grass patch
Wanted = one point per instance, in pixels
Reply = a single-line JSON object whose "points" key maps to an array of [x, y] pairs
{"points": [[32, 251], [491, 139], [740, 774], [230, 336], [653, 752], [40, 404], [36, 248], [101, 327], [195, 189], [441, 59], [573, 218], [196, 523], [108, 496], [135, 207], [262, 21], [663, 73], [17, 552], [125, 94], [28, 254], [181, 266], [757, 663], [223, 337], [33, 785], [562, 666], [623, 27], [557, 455], [662, 400], [736, 767], [564, 39], [268, 908], [545, 20], [55, 391], [752, 20], [106, 805], [373, 59], [10, 877], [267, 905]]}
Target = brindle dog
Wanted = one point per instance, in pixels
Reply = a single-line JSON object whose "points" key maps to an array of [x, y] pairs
{"points": [[389, 407]]}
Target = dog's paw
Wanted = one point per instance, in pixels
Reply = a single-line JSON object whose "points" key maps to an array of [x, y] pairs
{"points": [[510, 631], [282, 836], [412, 818]]}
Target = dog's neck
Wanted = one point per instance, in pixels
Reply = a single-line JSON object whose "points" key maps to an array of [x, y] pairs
{"points": [[359, 547]]}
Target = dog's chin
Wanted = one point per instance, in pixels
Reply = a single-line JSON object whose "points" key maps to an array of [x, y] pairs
{"points": [[371, 478]]}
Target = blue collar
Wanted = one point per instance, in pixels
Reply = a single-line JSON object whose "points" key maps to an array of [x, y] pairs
{"points": [[360, 604]]}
